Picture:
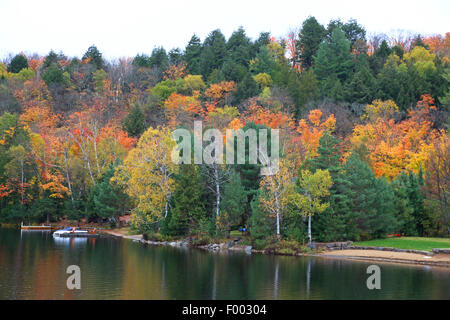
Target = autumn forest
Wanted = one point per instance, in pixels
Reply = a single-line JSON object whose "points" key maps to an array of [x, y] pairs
{"points": [[363, 126]]}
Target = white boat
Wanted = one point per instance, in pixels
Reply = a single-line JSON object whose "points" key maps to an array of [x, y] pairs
{"points": [[70, 232]]}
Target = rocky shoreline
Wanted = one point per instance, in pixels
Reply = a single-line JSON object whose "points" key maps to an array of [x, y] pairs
{"points": [[324, 250], [232, 245]]}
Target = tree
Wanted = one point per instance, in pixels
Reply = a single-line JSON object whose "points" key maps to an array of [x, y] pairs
{"points": [[134, 122], [108, 199], [313, 187], [333, 57], [362, 87], [277, 188], [148, 177], [18, 63], [311, 35], [188, 210], [371, 208], [233, 204], [246, 89], [94, 57], [213, 53], [239, 47], [403, 207], [308, 89], [192, 55], [353, 31]]}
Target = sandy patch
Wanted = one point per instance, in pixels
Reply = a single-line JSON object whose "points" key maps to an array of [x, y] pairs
{"points": [[441, 259]]}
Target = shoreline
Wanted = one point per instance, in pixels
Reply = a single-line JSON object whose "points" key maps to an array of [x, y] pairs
{"points": [[438, 260]]}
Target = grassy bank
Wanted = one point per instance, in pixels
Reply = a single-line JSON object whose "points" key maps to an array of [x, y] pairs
{"points": [[411, 243]]}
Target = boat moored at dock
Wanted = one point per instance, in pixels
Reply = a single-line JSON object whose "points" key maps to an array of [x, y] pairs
{"points": [[75, 232]]}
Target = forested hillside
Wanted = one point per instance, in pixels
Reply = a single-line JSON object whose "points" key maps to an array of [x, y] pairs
{"points": [[363, 135]]}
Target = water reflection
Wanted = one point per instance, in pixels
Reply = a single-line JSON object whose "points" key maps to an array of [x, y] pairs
{"points": [[70, 241], [33, 266]]}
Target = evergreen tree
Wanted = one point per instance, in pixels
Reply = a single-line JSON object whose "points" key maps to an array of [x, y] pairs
{"points": [[246, 89], [188, 209], [214, 52], [403, 206], [239, 48], [95, 57], [330, 225], [333, 57], [308, 90], [18, 63], [362, 87], [378, 59], [310, 37], [261, 226], [134, 122], [108, 200], [192, 55], [233, 203], [371, 208]]}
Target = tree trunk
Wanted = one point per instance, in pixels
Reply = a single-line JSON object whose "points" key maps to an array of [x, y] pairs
{"points": [[309, 229], [216, 175], [309, 221], [22, 180], [118, 221]]}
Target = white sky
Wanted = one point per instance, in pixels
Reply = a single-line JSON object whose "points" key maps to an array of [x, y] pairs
{"points": [[127, 27]]}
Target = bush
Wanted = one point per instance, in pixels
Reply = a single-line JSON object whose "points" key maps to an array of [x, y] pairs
{"points": [[286, 247], [156, 237]]}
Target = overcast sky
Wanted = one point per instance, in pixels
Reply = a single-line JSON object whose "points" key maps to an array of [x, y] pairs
{"points": [[126, 27]]}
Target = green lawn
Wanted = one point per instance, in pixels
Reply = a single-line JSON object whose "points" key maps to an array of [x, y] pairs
{"points": [[415, 243]]}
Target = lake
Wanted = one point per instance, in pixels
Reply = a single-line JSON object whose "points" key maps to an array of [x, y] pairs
{"points": [[33, 265]]}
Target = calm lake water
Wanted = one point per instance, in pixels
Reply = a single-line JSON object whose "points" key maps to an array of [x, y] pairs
{"points": [[33, 266]]}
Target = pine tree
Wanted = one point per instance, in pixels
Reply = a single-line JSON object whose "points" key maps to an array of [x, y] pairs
{"points": [[192, 55], [246, 89], [233, 203], [188, 209], [371, 207], [330, 225], [134, 122], [310, 37], [18, 63], [108, 200], [333, 57], [261, 226], [403, 207]]}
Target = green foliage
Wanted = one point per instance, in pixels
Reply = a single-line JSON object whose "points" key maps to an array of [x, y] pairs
{"points": [[310, 37], [134, 122], [261, 226], [192, 55], [333, 57], [371, 202], [188, 214], [213, 53], [248, 88], [233, 203], [95, 57], [18, 63], [54, 74], [108, 200]]}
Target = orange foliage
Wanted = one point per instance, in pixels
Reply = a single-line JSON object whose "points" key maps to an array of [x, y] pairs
{"points": [[220, 91], [395, 147], [439, 45], [310, 133], [176, 71], [269, 118], [183, 108]]}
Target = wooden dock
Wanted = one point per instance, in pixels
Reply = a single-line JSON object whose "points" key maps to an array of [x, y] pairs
{"points": [[22, 227]]}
